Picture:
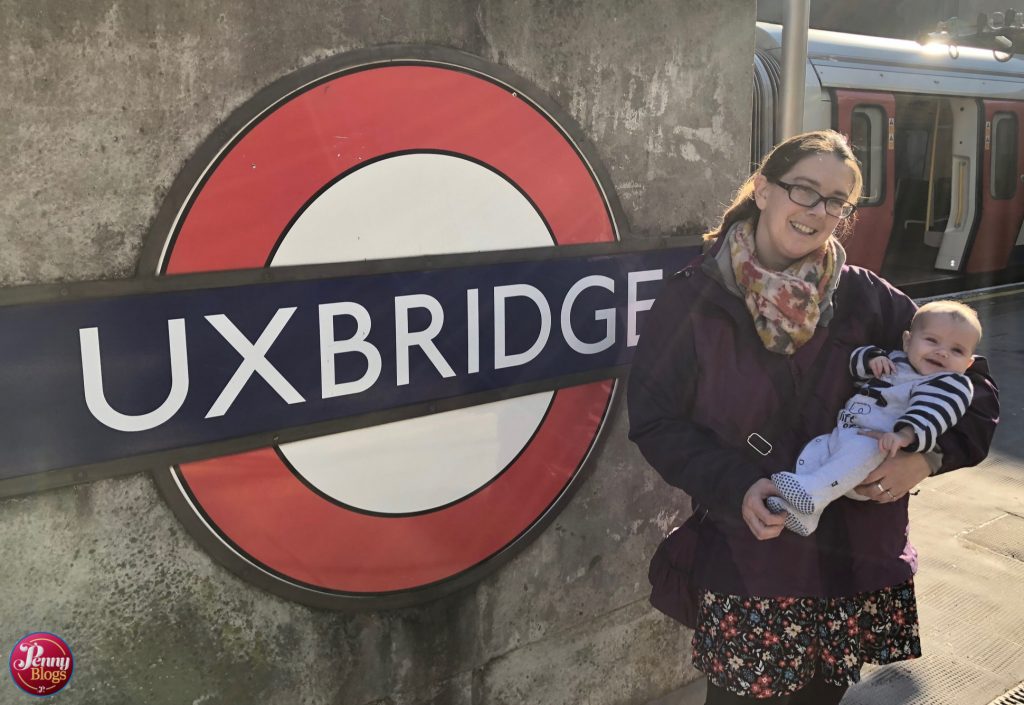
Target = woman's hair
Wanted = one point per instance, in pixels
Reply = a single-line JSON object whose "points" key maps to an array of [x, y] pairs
{"points": [[777, 164]]}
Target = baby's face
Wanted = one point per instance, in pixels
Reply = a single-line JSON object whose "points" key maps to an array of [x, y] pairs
{"points": [[940, 343]]}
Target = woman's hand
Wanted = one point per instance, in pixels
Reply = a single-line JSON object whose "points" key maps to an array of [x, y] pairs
{"points": [[895, 477], [763, 524]]}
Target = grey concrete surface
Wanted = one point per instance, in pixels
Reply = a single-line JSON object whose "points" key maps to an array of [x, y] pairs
{"points": [[103, 102], [968, 527]]}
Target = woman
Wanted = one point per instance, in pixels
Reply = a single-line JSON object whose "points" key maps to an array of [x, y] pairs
{"points": [[743, 359]]}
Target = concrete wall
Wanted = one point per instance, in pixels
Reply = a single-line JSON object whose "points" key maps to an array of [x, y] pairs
{"points": [[102, 103]]}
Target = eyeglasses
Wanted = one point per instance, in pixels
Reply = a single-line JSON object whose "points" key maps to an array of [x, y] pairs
{"points": [[809, 198]]}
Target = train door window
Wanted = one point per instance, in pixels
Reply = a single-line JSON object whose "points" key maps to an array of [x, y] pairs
{"points": [[867, 138], [1004, 155]]}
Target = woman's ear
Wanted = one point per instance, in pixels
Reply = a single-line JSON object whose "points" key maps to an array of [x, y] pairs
{"points": [[760, 191]]}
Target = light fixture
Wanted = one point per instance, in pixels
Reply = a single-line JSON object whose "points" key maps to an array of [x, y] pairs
{"points": [[1001, 32]]}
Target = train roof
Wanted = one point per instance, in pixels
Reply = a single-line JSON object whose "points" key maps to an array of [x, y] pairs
{"points": [[898, 65]]}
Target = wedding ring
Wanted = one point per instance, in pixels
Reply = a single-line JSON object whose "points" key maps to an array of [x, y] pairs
{"points": [[880, 488], [891, 496]]}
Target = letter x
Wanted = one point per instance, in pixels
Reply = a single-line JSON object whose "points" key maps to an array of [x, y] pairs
{"points": [[253, 360]]}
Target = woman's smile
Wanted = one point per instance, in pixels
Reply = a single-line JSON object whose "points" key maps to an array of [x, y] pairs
{"points": [[787, 231], [801, 228]]}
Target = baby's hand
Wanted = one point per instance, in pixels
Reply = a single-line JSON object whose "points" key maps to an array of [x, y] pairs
{"points": [[891, 442], [881, 365]]}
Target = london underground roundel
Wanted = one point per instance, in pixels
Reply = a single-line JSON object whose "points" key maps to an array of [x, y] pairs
{"points": [[365, 159]]}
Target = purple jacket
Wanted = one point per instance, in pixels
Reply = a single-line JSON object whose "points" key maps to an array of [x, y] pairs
{"points": [[701, 382]]}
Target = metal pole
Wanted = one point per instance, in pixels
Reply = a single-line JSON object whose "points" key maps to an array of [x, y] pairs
{"points": [[795, 20]]}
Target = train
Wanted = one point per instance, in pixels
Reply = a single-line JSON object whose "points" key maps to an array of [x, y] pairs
{"points": [[938, 132]]}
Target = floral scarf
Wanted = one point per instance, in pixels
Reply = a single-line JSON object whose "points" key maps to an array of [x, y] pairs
{"points": [[785, 305]]}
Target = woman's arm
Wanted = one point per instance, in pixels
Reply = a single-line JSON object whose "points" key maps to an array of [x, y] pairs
{"points": [[967, 443], [662, 385], [964, 445]]}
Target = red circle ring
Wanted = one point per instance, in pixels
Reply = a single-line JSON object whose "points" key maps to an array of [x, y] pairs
{"points": [[275, 530]]}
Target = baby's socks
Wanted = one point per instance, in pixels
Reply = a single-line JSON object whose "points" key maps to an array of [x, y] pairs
{"points": [[804, 492], [813, 491], [797, 522], [823, 475]]}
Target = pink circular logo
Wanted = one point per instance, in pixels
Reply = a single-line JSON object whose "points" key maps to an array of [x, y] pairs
{"points": [[41, 663]]}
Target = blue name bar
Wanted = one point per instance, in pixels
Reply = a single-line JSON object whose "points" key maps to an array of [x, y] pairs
{"points": [[95, 380]]}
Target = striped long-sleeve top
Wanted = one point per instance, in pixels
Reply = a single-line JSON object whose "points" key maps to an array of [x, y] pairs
{"points": [[928, 404]]}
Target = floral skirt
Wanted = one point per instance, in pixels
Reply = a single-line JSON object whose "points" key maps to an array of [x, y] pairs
{"points": [[767, 647]]}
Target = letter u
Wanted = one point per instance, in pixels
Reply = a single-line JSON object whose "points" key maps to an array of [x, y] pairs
{"points": [[92, 378]]}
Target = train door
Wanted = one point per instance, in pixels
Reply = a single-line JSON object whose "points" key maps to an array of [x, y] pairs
{"points": [[935, 174], [1002, 194], [868, 119], [1017, 254], [964, 166]]}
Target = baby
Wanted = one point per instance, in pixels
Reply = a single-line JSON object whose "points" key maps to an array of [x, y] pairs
{"points": [[910, 397]]}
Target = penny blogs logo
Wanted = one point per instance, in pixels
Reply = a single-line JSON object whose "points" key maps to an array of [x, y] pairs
{"points": [[41, 663]]}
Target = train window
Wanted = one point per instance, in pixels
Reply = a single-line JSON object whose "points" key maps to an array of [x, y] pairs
{"points": [[1004, 155], [867, 138]]}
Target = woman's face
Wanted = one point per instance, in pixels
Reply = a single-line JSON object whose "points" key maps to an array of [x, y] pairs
{"points": [[787, 232]]}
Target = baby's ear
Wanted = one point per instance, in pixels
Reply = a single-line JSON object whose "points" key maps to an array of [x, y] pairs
{"points": [[971, 361], [906, 339]]}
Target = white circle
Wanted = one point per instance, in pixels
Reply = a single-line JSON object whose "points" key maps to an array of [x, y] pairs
{"points": [[423, 463], [403, 206], [409, 205]]}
